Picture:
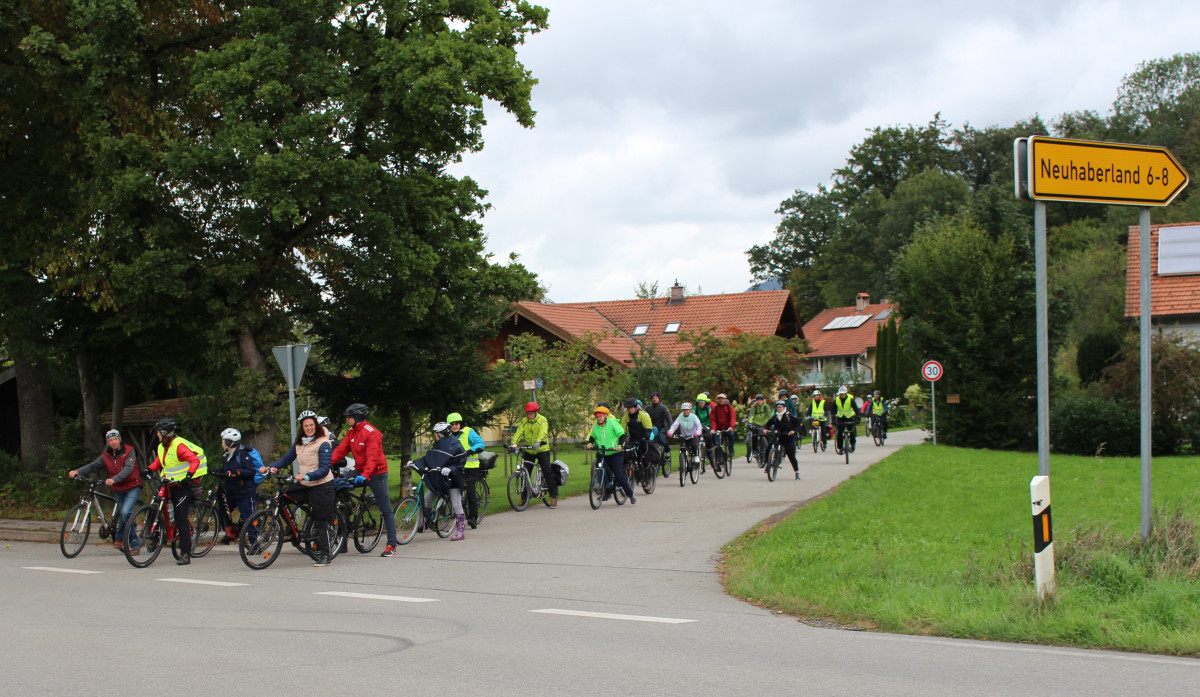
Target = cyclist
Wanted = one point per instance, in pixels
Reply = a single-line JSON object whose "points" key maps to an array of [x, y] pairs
{"points": [[535, 431], [473, 444], [181, 461], [783, 397], [816, 412], [689, 427], [877, 407], [787, 426], [724, 423], [120, 462], [334, 441], [660, 416], [704, 413], [365, 443], [759, 414], [639, 427], [846, 417], [608, 436], [238, 468], [313, 481], [442, 471]]}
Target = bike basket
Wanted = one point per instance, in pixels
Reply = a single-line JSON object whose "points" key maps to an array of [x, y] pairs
{"points": [[487, 460], [563, 472]]}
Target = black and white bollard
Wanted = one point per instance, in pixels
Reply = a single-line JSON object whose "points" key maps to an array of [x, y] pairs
{"points": [[1043, 537]]}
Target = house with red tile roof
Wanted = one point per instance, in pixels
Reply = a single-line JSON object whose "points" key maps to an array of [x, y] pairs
{"points": [[842, 339], [1174, 276], [632, 324]]}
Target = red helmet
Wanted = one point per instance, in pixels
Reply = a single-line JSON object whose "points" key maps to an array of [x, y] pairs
{"points": [[531, 406]]}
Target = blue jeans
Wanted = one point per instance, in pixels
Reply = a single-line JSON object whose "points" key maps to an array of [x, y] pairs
{"points": [[379, 488], [126, 500]]}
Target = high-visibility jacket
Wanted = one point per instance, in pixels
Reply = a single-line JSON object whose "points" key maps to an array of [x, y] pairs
{"points": [[535, 430], [465, 436], [607, 437], [845, 407], [175, 469], [816, 410]]}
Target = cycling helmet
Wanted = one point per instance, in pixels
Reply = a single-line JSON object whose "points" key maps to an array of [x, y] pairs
{"points": [[601, 410], [166, 426], [232, 435], [722, 396], [451, 418], [112, 434], [323, 421], [877, 394], [358, 412], [782, 391], [843, 390], [630, 403], [816, 393], [306, 414], [531, 406], [702, 397], [440, 428], [758, 397], [686, 406], [780, 403]]}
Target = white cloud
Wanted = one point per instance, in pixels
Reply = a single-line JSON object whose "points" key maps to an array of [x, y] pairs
{"points": [[669, 132]]}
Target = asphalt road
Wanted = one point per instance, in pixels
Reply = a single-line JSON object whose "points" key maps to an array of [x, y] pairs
{"points": [[620, 601]]}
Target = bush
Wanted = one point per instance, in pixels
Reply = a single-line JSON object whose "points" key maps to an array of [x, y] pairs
{"points": [[1085, 425], [1097, 351]]}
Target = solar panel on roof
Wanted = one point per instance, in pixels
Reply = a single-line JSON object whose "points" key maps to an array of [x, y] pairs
{"points": [[883, 315], [847, 322]]}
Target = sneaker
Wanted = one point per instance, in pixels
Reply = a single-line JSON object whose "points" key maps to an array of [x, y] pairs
{"points": [[797, 476], [118, 546], [632, 501], [183, 560], [390, 551], [321, 561], [554, 503], [134, 551]]}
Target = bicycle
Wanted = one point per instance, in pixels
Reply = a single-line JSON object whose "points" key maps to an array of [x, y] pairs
{"points": [[151, 526], [205, 522], [759, 450], [774, 456], [819, 434], [843, 445], [263, 535], [722, 453], [522, 488], [604, 484], [78, 523], [412, 516], [640, 471], [875, 426], [689, 461], [665, 468], [364, 521]]}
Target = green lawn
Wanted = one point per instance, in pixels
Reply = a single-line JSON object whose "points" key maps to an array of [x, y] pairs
{"points": [[938, 541]]}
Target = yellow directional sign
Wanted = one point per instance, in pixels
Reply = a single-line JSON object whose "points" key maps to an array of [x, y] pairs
{"points": [[1097, 172]]}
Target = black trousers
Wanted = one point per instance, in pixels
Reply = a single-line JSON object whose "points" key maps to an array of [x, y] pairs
{"points": [[181, 500], [322, 500]]}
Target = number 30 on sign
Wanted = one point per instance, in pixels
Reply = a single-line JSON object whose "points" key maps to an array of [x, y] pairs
{"points": [[932, 371]]}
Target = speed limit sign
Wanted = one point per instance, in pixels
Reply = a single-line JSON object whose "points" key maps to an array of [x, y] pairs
{"points": [[932, 371]]}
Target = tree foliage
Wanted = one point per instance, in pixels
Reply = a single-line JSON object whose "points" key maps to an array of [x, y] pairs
{"points": [[739, 365]]}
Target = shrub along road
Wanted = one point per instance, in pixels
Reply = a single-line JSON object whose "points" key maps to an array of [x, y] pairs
{"points": [[623, 600]]}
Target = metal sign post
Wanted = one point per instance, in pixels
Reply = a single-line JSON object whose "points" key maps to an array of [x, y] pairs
{"points": [[292, 359], [1144, 329], [932, 371]]}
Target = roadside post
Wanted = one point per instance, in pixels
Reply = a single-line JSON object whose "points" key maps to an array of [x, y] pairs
{"points": [[291, 359], [1043, 537], [932, 371], [1080, 171], [952, 400]]}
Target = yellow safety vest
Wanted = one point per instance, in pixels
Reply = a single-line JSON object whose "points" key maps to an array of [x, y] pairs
{"points": [[877, 407], [817, 410], [845, 409], [175, 469], [465, 438]]}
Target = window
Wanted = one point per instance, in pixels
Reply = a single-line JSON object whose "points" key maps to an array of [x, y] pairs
{"points": [[640, 329], [671, 328]]}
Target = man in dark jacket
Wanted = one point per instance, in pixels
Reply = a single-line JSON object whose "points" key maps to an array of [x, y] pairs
{"points": [[238, 468], [443, 473], [660, 416], [119, 461], [787, 427]]}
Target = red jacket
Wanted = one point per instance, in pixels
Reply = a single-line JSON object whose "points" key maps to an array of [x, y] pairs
{"points": [[723, 417], [365, 443]]}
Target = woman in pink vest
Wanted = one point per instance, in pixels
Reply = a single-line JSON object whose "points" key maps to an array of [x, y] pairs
{"points": [[313, 479]]}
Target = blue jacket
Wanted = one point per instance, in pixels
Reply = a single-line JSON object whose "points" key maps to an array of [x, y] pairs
{"points": [[240, 466], [447, 452]]}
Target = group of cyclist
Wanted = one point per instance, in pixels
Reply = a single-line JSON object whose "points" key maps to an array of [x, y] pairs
{"points": [[452, 463]]}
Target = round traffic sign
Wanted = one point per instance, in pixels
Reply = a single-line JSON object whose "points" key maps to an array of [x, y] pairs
{"points": [[931, 371]]}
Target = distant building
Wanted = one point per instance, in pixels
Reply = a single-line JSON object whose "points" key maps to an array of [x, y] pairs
{"points": [[1174, 277], [842, 339]]}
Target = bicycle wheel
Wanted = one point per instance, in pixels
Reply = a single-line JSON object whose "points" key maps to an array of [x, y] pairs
{"points": [[729, 455], [816, 437], [845, 445], [596, 488], [75, 529], [694, 470], [773, 465], [408, 518], [335, 533], [518, 490], [368, 525], [203, 520], [261, 540], [665, 468], [145, 533], [684, 461], [649, 479], [877, 434], [837, 442], [718, 467], [483, 495], [443, 517]]}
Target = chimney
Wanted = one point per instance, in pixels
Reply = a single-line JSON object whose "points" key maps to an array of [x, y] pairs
{"points": [[861, 301], [676, 294]]}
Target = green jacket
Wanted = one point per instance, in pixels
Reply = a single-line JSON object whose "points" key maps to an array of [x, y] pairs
{"points": [[702, 414], [760, 414], [536, 431], [606, 437]]}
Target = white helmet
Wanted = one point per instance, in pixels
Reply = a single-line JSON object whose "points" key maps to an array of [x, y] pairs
{"points": [[441, 427], [843, 390], [232, 435], [816, 393], [685, 405], [306, 415]]}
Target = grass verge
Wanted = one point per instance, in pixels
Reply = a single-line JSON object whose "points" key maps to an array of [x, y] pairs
{"points": [[938, 541]]}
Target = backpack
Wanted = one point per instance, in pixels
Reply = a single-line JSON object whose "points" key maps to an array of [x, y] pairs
{"points": [[258, 462]]}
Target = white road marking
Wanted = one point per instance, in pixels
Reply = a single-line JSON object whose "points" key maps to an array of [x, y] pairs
{"points": [[200, 582], [611, 616], [373, 596], [64, 571]]}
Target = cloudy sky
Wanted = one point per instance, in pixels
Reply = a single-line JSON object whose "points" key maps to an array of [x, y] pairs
{"points": [[669, 131]]}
